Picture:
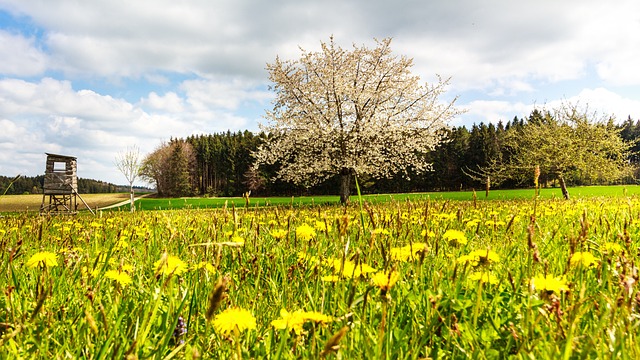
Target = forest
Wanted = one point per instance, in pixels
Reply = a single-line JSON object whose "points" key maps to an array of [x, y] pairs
{"points": [[33, 185], [221, 164]]}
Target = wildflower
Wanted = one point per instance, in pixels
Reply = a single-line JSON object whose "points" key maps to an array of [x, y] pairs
{"points": [[44, 258], [237, 240], [127, 268], [549, 284], [234, 318], [408, 252], [483, 277], [351, 270], [330, 278], [288, 320], [204, 265], [479, 257], [472, 223], [305, 232], [317, 317], [179, 331], [494, 223], [296, 320], [585, 258], [120, 277], [424, 233], [279, 234], [612, 247], [455, 236], [172, 265], [321, 226], [385, 280]]}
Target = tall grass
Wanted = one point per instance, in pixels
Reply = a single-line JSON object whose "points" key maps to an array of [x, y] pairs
{"points": [[446, 303]]}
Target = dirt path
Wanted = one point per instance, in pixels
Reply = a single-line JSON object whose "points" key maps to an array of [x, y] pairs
{"points": [[124, 202]]}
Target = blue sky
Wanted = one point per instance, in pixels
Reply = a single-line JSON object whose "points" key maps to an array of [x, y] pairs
{"points": [[91, 78]]}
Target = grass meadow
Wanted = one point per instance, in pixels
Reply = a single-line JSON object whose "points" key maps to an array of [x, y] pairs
{"points": [[408, 277]]}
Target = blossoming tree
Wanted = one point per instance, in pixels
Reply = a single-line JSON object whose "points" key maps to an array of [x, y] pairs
{"points": [[350, 113]]}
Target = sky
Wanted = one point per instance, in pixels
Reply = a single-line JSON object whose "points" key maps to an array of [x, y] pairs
{"points": [[92, 79]]}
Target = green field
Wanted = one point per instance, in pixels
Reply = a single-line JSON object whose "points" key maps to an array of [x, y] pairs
{"points": [[413, 278], [519, 194]]}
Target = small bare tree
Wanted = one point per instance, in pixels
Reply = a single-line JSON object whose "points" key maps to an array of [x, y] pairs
{"points": [[128, 163]]}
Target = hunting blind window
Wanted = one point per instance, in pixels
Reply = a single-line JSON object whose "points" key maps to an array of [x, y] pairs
{"points": [[59, 166]]}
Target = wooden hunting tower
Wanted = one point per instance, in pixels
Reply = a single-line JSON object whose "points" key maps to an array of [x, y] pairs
{"points": [[60, 185]]}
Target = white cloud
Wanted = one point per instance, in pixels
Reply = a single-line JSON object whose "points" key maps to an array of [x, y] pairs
{"points": [[607, 102], [169, 102], [222, 93], [600, 100], [19, 56], [51, 116], [501, 55]]}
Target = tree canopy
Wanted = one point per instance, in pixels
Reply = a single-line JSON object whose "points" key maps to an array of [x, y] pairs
{"points": [[351, 112], [567, 141]]}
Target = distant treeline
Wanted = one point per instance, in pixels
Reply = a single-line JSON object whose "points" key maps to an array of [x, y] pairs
{"points": [[220, 164], [33, 185]]}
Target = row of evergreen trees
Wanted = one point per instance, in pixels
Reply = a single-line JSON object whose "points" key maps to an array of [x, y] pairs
{"points": [[34, 184], [221, 164]]}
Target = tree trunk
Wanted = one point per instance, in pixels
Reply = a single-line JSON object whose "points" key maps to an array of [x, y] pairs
{"points": [[345, 185], [563, 187], [133, 208]]}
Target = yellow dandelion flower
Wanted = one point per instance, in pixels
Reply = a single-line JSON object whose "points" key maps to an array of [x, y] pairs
{"points": [[305, 232], [173, 265], [549, 283], [612, 247], [121, 278], [317, 317], [289, 320], [585, 258], [321, 226], [385, 280], [455, 236], [408, 252], [424, 233], [330, 278], [237, 240], [493, 223], [44, 258], [351, 270], [204, 265], [234, 318], [127, 267], [296, 320], [279, 234], [483, 277], [472, 223], [479, 257]]}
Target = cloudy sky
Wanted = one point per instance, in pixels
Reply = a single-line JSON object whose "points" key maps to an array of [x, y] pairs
{"points": [[91, 78]]}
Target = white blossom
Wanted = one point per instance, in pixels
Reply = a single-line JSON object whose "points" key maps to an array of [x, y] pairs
{"points": [[351, 112]]}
